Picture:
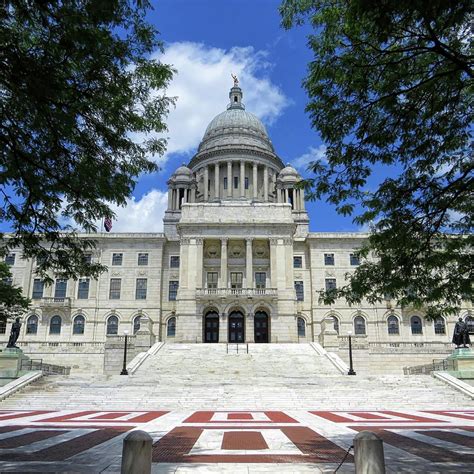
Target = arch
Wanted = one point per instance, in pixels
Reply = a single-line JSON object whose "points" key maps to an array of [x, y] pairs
{"points": [[470, 323], [416, 325], [301, 326], [261, 326], [32, 325], [136, 324], [439, 325], [393, 325], [236, 326], [78, 324], [55, 325], [112, 325], [360, 326], [336, 322], [171, 327], [211, 326]]}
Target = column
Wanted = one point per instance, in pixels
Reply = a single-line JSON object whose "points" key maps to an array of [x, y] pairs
{"points": [[193, 194], [223, 263], [254, 181], [286, 195], [265, 183], [206, 183], [170, 198], [273, 263], [242, 178], [249, 264], [229, 179], [216, 181], [302, 199]]}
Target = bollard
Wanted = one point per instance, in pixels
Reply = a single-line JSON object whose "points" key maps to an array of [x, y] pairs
{"points": [[136, 453], [368, 453]]}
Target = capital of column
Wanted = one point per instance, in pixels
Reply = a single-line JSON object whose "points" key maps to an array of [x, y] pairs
{"points": [[224, 241], [273, 241]]}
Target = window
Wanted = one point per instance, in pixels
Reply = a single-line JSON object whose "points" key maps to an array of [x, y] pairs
{"points": [[393, 325], [38, 287], [440, 326], [246, 181], [3, 327], [212, 279], [359, 325], [299, 290], [260, 280], [236, 182], [335, 323], [470, 324], [115, 286], [142, 259], [10, 259], [79, 324], [8, 281], [60, 288], [32, 324], [301, 323], [171, 327], [136, 325], [236, 280], [55, 325], [297, 262], [87, 258], [328, 259], [173, 290], [117, 258], [174, 261], [354, 259], [41, 259], [140, 289], [83, 289], [112, 326], [330, 284], [416, 326], [225, 182]]}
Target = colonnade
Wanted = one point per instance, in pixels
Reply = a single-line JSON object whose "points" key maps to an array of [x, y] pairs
{"points": [[180, 194], [294, 196]]}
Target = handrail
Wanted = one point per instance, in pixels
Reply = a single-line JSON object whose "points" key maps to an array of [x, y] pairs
{"points": [[435, 366], [46, 369]]}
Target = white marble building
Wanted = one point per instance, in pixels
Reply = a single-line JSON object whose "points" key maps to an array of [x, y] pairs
{"points": [[236, 263]]}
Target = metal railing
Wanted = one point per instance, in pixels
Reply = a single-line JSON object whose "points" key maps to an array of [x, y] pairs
{"points": [[436, 365], [238, 292], [236, 346], [47, 369]]}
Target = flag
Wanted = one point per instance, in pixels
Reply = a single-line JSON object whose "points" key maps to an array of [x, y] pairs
{"points": [[108, 224]]}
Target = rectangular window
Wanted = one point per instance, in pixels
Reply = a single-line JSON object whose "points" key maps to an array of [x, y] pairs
{"points": [[330, 284], [212, 279], [299, 287], [142, 259], [173, 290], [236, 280], [328, 259], [140, 290], [38, 287], [297, 262], [87, 259], [354, 259], [115, 286], [236, 182], [10, 259], [8, 281], [83, 289], [60, 288], [117, 258], [174, 261], [260, 280], [246, 183], [225, 182]]}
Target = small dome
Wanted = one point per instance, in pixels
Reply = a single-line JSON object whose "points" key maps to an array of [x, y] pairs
{"points": [[183, 173], [288, 173]]}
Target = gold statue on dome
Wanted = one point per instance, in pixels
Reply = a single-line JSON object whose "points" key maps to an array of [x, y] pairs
{"points": [[236, 81]]}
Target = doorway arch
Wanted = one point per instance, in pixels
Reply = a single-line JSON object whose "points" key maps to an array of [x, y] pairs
{"points": [[211, 327], [236, 327], [261, 327]]}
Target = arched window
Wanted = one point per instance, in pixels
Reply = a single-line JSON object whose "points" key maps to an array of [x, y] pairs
{"points": [[393, 325], [32, 324], [416, 326], [171, 328], [78, 325], [136, 325], [55, 325], [359, 325], [335, 323], [3, 327], [112, 326], [470, 324], [440, 325], [301, 323]]}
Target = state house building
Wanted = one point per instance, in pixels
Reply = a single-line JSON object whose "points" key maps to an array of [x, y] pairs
{"points": [[236, 263]]}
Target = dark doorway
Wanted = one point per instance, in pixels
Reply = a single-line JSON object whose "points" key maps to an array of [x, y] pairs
{"points": [[236, 327], [211, 327], [260, 325]]}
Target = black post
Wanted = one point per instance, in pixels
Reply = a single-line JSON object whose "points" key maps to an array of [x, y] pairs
{"points": [[124, 369], [351, 368]]}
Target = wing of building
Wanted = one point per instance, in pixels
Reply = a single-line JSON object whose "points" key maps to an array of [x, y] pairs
{"points": [[236, 263]]}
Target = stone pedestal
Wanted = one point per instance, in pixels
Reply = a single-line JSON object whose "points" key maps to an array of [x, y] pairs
{"points": [[10, 362], [463, 361], [328, 337], [144, 337]]}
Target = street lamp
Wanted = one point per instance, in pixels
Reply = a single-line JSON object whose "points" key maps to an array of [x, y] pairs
{"points": [[351, 369], [124, 369]]}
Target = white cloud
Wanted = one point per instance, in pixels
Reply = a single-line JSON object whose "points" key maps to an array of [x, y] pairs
{"points": [[202, 83], [313, 154]]}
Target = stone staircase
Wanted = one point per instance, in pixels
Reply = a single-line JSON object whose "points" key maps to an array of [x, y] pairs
{"points": [[206, 377]]}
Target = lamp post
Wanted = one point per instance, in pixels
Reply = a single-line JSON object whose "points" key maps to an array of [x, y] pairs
{"points": [[124, 369], [351, 369]]}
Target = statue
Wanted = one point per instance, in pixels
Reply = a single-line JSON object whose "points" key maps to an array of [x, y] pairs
{"points": [[236, 81], [461, 334], [14, 334]]}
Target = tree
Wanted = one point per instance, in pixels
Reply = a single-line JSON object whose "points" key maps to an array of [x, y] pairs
{"points": [[12, 302], [77, 86], [391, 85]]}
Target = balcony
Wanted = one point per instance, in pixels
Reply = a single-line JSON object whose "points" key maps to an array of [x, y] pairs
{"points": [[211, 293], [51, 302]]}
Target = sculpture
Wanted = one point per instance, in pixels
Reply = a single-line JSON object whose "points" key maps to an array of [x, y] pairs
{"points": [[236, 81], [461, 334], [14, 334]]}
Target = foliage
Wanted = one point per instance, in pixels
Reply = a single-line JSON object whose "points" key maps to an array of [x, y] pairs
{"points": [[77, 87], [391, 85], [12, 303]]}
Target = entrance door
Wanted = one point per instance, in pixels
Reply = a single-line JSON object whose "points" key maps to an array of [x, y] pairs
{"points": [[261, 326], [236, 327], [211, 327]]}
